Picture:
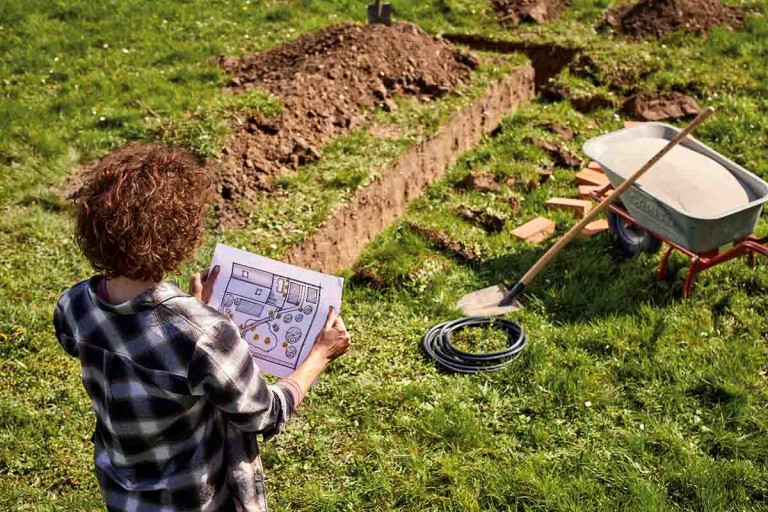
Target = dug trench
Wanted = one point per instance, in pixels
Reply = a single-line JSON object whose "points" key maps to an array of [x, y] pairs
{"points": [[340, 240], [342, 237]]}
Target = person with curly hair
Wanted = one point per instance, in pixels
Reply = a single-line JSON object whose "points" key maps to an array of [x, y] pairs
{"points": [[178, 398]]}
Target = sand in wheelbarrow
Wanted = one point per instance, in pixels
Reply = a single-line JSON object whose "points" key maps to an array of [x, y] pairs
{"points": [[656, 18], [683, 179]]}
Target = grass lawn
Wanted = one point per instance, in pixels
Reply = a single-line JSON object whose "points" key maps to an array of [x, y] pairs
{"points": [[627, 396]]}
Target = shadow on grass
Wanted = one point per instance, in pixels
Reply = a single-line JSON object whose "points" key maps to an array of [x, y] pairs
{"points": [[589, 279]]}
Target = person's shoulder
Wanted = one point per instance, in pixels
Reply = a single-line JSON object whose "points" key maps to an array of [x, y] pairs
{"points": [[197, 314], [74, 294]]}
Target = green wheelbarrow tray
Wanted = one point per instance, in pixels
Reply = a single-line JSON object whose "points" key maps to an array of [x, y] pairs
{"points": [[695, 233]]}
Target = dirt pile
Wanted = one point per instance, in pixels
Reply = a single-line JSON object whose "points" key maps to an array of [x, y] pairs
{"points": [[324, 80], [513, 12], [656, 18]]}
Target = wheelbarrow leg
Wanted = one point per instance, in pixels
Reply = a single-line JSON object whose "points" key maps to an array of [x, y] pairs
{"points": [[665, 263], [692, 271]]}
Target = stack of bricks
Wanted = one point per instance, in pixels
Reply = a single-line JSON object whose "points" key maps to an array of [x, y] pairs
{"points": [[591, 179]]}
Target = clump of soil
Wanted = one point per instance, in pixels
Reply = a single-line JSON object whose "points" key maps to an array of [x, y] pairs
{"points": [[370, 277], [586, 104], [656, 18], [661, 107], [480, 181], [490, 222], [457, 248], [562, 156], [561, 130], [514, 202], [513, 12], [324, 80]]}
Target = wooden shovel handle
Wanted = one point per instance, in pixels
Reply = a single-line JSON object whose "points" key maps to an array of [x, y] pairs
{"points": [[575, 230]]}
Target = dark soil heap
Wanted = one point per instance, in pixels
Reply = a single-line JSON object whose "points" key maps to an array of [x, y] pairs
{"points": [[656, 18], [323, 80], [513, 12]]}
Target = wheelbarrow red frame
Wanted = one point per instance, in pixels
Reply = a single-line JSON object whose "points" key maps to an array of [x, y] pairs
{"points": [[699, 262]]}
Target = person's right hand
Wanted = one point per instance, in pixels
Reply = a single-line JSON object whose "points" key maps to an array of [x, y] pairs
{"points": [[333, 341]]}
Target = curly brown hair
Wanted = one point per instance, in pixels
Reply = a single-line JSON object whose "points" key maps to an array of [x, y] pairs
{"points": [[141, 212]]}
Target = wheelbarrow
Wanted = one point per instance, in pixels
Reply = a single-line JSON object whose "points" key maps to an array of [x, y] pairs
{"points": [[643, 222]]}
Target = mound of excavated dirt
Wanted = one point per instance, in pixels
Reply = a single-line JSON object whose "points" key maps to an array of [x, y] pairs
{"points": [[655, 18], [324, 80], [513, 12]]}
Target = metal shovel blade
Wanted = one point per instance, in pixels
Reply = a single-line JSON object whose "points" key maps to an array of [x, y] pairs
{"points": [[485, 302], [379, 13]]}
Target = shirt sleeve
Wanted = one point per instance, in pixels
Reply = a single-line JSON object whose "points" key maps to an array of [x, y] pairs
{"points": [[63, 328], [223, 370]]}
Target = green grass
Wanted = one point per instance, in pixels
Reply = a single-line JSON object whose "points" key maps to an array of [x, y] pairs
{"points": [[627, 396]]}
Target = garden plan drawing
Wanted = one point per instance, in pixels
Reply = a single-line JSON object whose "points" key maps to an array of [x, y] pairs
{"points": [[279, 309]]}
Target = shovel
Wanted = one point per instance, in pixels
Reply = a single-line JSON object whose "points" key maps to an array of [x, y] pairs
{"points": [[497, 300], [379, 13]]}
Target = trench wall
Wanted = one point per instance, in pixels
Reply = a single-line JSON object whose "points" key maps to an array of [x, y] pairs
{"points": [[342, 237]]}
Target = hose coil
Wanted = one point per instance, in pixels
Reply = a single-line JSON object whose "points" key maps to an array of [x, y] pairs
{"points": [[438, 345]]}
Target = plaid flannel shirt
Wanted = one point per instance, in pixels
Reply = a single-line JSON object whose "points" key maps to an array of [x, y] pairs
{"points": [[178, 400]]}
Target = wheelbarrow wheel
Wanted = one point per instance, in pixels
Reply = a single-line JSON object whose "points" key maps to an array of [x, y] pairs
{"points": [[632, 238]]}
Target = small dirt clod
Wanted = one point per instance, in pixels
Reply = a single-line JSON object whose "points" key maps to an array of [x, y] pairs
{"points": [[369, 277], [561, 130], [514, 12], [563, 156], [661, 107], [480, 181], [442, 240], [489, 221]]}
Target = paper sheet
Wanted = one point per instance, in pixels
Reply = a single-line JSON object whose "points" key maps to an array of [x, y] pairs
{"points": [[278, 308]]}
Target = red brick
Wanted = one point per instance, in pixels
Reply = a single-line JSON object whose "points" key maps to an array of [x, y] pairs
{"points": [[594, 228], [538, 237], [579, 207], [595, 166], [585, 191], [536, 230], [590, 177]]}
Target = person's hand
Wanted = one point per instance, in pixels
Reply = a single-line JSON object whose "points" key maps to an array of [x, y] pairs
{"points": [[333, 341], [201, 283]]}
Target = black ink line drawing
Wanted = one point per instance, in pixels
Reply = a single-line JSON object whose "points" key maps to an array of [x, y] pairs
{"points": [[253, 299]]}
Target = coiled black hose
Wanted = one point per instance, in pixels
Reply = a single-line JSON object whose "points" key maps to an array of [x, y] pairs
{"points": [[438, 345]]}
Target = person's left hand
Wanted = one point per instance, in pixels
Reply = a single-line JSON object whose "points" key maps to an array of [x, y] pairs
{"points": [[201, 283]]}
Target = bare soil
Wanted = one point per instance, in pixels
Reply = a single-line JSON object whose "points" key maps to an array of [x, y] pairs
{"points": [[343, 236], [656, 18], [442, 240], [480, 181], [490, 222], [562, 156], [585, 104], [661, 107], [548, 60], [561, 130], [514, 12], [325, 80]]}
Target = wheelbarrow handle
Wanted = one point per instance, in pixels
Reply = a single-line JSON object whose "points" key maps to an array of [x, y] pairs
{"points": [[578, 228]]}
